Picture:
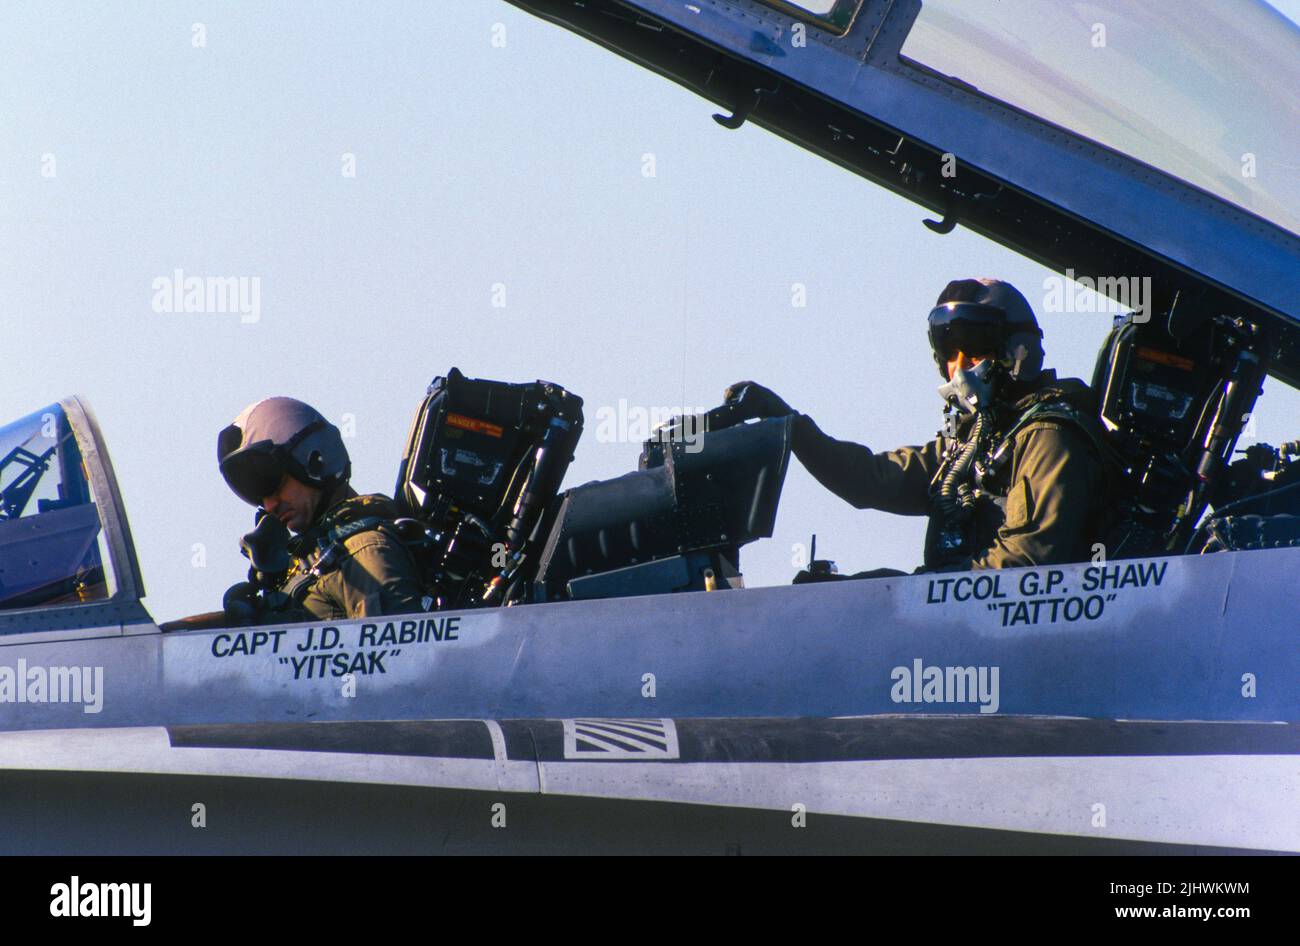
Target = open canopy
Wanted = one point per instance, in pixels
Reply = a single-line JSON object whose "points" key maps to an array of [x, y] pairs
{"points": [[1206, 95], [1112, 139]]}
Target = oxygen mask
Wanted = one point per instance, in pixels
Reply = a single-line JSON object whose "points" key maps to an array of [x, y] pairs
{"points": [[971, 390]]}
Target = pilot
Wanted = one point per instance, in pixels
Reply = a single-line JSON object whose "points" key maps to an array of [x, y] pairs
{"points": [[347, 561], [1021, 475]]}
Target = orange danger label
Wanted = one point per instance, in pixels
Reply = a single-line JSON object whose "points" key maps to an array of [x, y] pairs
{"points": [[1166, 358], [471, 423]]}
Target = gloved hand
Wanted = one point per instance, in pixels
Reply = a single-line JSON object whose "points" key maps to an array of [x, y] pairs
{"points": [[245, 607], [750, 400], [241, 604], [267, 546]]}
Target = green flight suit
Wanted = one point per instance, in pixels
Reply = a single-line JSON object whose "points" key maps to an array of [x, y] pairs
{"points": [[376, 575], [1056, 486]]}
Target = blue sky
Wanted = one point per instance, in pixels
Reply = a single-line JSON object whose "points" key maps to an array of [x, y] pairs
{"points": [[477, 166]]}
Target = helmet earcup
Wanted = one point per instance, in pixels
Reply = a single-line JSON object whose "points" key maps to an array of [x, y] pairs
{"points": [[1024, 356]]}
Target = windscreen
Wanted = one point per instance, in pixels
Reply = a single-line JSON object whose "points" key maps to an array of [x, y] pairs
{"points": [[50, 535]]}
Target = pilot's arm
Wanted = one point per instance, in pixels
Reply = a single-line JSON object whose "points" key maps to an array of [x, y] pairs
{"points": [[1055, 481], [897, 481]]}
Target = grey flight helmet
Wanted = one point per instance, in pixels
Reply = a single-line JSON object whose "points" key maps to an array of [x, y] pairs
{"points": [[987, 316], [278, 436]]}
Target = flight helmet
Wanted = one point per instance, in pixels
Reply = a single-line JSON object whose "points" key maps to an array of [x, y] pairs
{"points": [[278, 436], [981, 316]]}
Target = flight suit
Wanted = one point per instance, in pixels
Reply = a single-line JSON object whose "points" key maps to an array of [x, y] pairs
{"points": [[1054, 491], [374, 575]]}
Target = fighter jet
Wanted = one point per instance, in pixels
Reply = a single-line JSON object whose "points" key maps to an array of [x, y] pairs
{"points": [[609, 684]]}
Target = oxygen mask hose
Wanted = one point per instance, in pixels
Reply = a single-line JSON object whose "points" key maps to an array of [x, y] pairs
{"points": [[955, 503], [968, 391]]}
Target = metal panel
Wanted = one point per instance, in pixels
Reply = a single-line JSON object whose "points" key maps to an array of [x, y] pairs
{"points": [[1209, 637], [1172, 783]]}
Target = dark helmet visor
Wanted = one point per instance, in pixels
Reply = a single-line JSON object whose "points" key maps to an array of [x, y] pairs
{"points": [[254, 472], [969, 327]]}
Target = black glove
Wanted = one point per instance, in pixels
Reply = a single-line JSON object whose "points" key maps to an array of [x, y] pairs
{"points": [[749, 400], [241, 604], [267, 546], [245, 606]]}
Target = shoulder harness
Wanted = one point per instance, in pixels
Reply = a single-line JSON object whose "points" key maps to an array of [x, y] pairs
{"points": [[332, 550], [1047, 409]]}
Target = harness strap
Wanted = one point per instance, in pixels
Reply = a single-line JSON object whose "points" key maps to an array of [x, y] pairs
{"points": [[333, 551], [1043, 410]]}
